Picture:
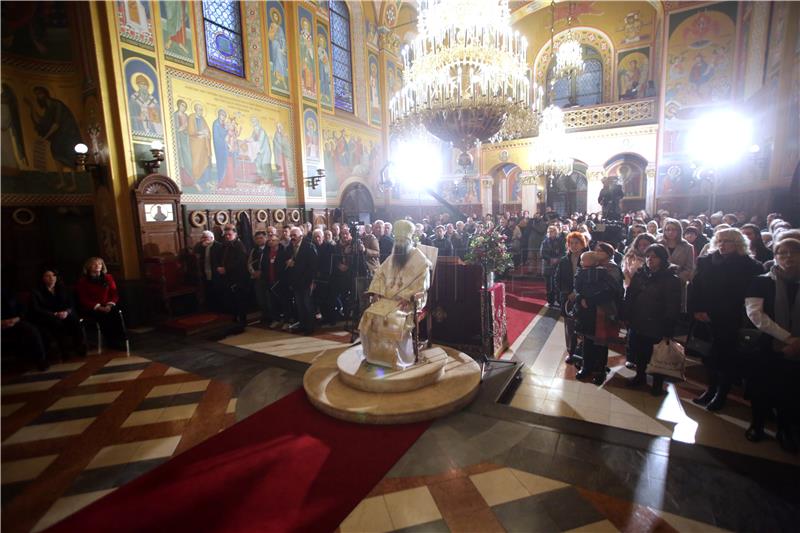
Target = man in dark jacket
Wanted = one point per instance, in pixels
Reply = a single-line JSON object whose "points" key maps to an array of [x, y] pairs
{"points": [[300, 269], [324, 291], [442, 242], [385, 242], [234, 277], [551, 251]]}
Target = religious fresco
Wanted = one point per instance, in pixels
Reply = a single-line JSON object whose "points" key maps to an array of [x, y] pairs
{"points": [[371, 33], [633, 67], [311, 150], [278, 49], [700, 73], [37, 30], [176, 31], [374, 89], [777, 30], [631, 176], [459, 191], [700, 54], [143, 96], [228, 145], [39, 130], [636, 28], [755, 26], [306, 49], [325, 68], [349, 153], [135, 23], [311, 141]]}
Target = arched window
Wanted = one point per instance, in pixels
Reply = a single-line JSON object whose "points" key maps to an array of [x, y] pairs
{"points": [[342, 56], [584, 89], [222, 20]]}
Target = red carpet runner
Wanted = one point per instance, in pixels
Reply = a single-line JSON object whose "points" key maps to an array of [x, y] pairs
{"points": [[287, 467], [524, 299]]}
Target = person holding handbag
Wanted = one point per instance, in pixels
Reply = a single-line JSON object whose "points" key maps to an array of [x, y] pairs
{"points": [[773, 306], [651, 310], [716, 296]]}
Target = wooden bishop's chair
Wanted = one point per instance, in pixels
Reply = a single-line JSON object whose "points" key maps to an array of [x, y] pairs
{"points": [[166, 280], [423, 313]]}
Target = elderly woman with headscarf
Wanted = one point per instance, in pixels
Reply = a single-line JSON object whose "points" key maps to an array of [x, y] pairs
{"points": [[209, 254], [773, 305], [716, 297]]}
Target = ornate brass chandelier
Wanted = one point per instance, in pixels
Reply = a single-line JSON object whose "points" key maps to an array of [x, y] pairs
{"points": [[465, 75], [569, 56]]}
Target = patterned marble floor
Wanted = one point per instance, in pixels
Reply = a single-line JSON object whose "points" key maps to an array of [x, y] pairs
{"points": [[549, 387], [77, 432]]}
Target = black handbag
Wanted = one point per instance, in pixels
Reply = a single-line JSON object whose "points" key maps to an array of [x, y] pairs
{"points": [[748, 342], [699, 340]]}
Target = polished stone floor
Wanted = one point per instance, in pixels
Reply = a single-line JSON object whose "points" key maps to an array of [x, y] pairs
{"points": [[86, 427]]}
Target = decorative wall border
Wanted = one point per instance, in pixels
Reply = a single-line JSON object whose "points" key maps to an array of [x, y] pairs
{"points": [[15, 199]]}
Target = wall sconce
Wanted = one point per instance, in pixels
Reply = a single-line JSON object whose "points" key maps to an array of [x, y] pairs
{"points": [[313, 181], [157, 149], [80, 157], [98, 171]]}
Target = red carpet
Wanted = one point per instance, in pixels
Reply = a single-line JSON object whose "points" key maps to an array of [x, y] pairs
{"points": [[288, 467], [524, 299]]}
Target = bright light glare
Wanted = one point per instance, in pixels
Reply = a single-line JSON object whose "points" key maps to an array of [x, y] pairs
{"points": [[416, 164], [720, 138]]}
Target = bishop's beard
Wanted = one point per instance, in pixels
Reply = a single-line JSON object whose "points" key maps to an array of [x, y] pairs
{"points": [[400, 255]]}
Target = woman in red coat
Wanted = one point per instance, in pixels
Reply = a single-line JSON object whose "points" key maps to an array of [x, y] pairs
{"points": [[98, 298]]}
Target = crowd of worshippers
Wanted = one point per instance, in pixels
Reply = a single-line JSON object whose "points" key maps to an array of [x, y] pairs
{"points": [[727, 282], [52, 320]]}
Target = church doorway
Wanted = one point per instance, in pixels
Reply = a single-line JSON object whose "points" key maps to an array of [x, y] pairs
{"points": [[357, 204], [567, 194]]}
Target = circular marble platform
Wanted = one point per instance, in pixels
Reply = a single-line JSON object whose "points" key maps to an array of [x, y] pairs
{"points": [[357, 373], [453, 390]]}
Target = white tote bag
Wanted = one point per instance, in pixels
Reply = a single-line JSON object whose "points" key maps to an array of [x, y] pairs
{"points": [[668, 360]]}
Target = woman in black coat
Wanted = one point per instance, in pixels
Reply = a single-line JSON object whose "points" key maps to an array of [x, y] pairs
{"points": [[564, 277], [652, 307], [52, 310], [773, 305], [716, 296]]}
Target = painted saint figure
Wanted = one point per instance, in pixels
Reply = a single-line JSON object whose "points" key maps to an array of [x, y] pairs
{"points": [[144, 109], [325, 97], [199, 144], [220, 134], [56, 124], [307, 76], [180, 120], [279, 65], [262, 150]]}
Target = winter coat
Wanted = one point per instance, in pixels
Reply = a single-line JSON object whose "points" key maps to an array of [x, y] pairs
{"points": [[652, 302]]}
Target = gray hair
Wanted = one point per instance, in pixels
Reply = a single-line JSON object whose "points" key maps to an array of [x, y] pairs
{"points": [[742, 242], [209, 234]]}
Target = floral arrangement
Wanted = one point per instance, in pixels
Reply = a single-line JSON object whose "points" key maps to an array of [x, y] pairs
{"points": [[489, 250]]}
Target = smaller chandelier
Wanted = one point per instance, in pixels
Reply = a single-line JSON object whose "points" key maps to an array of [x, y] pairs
{"points": [[569, 57], [550, 159]]}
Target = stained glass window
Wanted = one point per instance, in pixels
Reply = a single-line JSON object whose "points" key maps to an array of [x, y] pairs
{"points": [[342, 56], [223, 26], [584, 89]]}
